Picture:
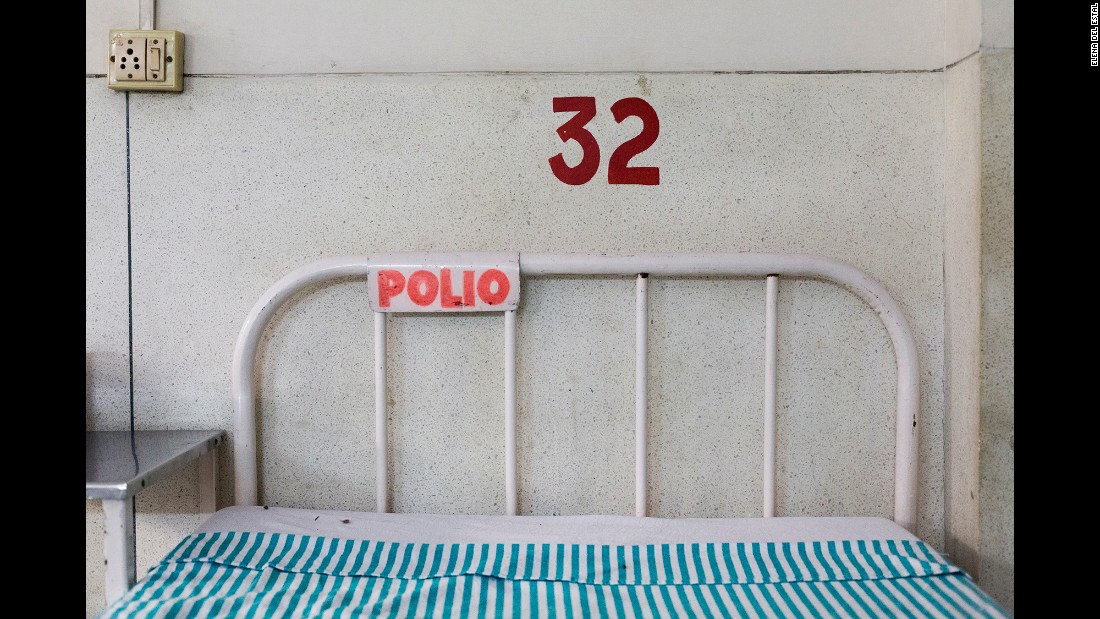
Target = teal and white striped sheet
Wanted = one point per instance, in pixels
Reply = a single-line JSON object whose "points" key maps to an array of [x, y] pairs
{"points": [[237, 574]]}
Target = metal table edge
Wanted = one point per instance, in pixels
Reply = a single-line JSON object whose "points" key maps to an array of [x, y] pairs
{"points": [[118, 491]]}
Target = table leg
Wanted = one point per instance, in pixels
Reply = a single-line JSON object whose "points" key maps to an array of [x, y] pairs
{"points": [[208, 482], [119, 549]]}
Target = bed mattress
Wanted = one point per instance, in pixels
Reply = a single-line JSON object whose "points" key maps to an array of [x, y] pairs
{"points": [[600, 529], [281, 562]]}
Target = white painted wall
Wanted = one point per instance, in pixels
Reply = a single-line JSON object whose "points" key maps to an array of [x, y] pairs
{"points": [[998, 23], [962, 311], [997, 514], [278, 37], [107, 373], [998, 418], [260, 166]]}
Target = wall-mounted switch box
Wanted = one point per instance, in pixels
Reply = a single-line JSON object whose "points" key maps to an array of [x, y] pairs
{"points": [[149, 60]]}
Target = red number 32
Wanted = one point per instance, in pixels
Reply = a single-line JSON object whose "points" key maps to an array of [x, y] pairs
{"points": [[618, 172]]}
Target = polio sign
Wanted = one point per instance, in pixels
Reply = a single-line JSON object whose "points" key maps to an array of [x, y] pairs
{"points": [[431, 282]]}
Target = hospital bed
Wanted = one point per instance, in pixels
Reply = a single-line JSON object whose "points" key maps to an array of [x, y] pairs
{"points": [[257, 560]]}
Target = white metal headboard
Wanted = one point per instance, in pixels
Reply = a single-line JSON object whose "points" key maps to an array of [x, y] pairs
{"points": [[641, 266]]}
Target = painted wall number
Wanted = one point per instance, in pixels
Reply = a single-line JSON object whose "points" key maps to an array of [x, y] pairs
{"points": [[618, 170]]}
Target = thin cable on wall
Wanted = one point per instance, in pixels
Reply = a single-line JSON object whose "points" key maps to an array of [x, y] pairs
{"points": [[129, 267], [130, 308]]}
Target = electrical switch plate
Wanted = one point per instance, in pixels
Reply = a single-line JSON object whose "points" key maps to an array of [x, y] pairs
{"points": [[150, 60]]}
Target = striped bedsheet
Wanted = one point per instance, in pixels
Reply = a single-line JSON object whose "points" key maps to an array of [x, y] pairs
{"points": [[240, 574]]}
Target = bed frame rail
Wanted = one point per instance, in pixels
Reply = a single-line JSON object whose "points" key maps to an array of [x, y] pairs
{"points": [[771, 267]]}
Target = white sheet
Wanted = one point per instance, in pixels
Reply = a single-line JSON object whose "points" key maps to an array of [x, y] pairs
{"points": [[611, 530]]}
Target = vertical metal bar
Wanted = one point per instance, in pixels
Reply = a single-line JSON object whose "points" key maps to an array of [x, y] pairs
{"points": [[510, 411], [118, 547], [208, 482], [381, 484], [641, 392], [770, 344]]}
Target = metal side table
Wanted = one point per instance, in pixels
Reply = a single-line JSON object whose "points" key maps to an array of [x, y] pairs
{"points": [[121, 464]]}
